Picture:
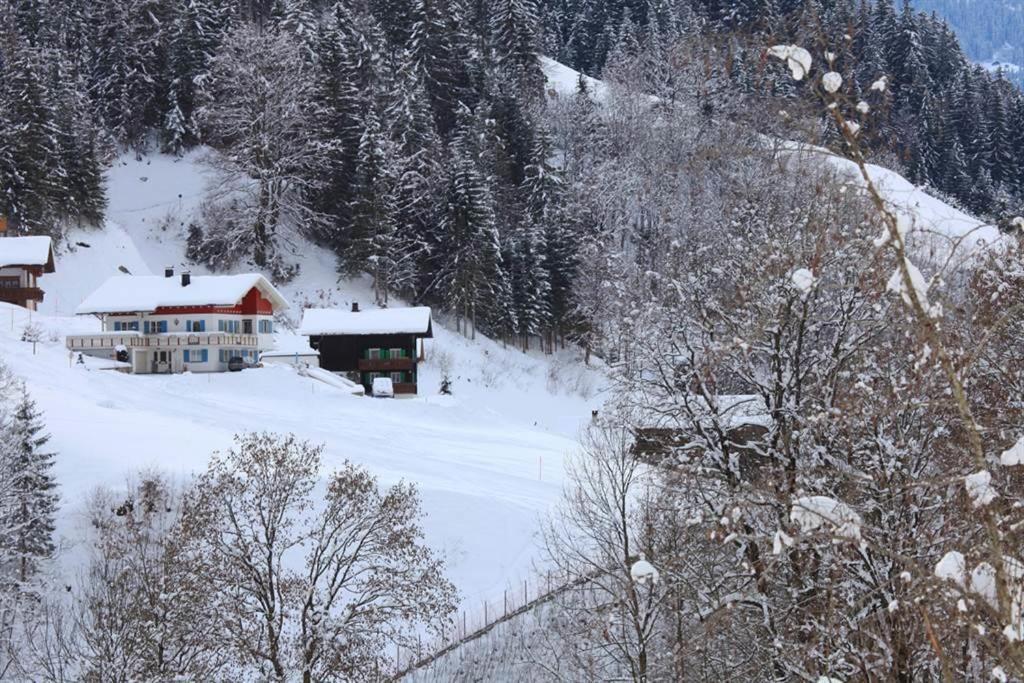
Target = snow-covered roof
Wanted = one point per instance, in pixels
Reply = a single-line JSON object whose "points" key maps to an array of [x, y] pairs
{"points": [[144, 293], [26, 251], [333, 321], [276, 353]]}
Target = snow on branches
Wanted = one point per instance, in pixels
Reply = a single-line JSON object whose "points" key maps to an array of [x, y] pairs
{"points": [[797, 59]]}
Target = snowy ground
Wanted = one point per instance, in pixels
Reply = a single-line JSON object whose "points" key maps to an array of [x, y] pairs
{"points": [[488, 460]]}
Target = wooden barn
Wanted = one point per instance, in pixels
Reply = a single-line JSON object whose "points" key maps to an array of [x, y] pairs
{"points": [[370, 344]]}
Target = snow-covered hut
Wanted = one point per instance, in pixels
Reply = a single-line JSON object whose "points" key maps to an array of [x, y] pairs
{"points": [[370, 344]]}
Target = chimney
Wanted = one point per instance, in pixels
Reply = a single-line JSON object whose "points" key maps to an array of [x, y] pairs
{"points": [[169, 271], [186, 279], [355, 306]]}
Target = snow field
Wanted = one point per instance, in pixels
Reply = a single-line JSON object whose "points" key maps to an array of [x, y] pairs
{"points": [[488, 460]]}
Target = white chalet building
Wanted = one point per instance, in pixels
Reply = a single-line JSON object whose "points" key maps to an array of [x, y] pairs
{"points": [[175, 324]]}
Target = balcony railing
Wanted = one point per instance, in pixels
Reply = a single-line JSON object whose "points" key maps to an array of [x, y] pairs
{"points": [[13, 295], [385, 364], [172, 340]]}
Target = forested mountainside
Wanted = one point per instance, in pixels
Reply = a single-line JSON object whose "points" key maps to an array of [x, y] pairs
{"points": [[410, 136], [809, 460], [990, 31]]}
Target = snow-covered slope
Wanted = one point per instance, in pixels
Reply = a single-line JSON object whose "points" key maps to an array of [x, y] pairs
{"points": [[935, 224], [563, 81], [932, 223], [487, 460]]}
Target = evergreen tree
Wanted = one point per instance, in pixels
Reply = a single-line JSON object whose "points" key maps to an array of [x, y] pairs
{"points": [[196, 34], [342, 78], [377, 243], [82, 193], [418, 159], [32, 501], [440, 49], [298, 18], [39, 179], [999, 144], [955, 179], [470, 281], [516, 42]]}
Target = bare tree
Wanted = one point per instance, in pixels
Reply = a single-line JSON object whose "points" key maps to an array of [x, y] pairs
{"points": [[367, 581], [598, 541], [138, 612], [260, 110]]}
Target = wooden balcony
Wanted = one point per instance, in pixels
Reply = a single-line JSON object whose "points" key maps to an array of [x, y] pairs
{"points": [[385, 364], [174, 340], [16, 295]]}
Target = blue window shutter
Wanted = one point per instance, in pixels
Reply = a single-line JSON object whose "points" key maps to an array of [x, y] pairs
{"points": [[188, 325], [202, 326], [186, 356], [163, 325], [206, 355]]}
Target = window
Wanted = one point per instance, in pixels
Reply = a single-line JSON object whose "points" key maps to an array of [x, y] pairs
{"points": [[247, 326], [132, 325], [154, 326], [197, 355], [373, 354], [397, 353], [9, 283], [396, 377], [195, 326], [229, 326], [266, 327]]}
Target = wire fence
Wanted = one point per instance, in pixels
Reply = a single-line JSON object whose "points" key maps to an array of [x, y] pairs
{"points": [[473, 622]]}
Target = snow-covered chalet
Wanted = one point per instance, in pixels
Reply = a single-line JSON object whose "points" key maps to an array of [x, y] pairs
{"points": [[23, 260], [368, 344], [175, 324]]}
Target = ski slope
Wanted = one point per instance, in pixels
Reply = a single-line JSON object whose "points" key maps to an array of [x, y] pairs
{"points": [[488, 460]]}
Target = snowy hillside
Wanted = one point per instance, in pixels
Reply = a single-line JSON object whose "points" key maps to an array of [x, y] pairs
{"points": [[488, 459], [932, 223]]}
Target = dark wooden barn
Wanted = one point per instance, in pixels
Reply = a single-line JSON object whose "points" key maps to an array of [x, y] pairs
{"points": [[370, 344]]}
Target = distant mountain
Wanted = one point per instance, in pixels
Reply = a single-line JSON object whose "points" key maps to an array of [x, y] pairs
{"points": [[991, 32]]}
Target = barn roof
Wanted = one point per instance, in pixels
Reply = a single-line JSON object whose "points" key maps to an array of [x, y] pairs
{"points": [[27, 251], [144, 293], [333, 321]]}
